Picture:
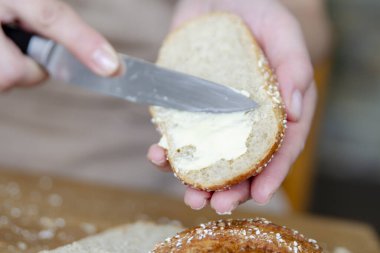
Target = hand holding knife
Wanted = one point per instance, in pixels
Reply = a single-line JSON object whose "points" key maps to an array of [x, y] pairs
{"points": [[142, 82]]}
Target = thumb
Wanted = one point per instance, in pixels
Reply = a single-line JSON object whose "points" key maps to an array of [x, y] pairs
{"points": [[282, 40], [57, 21], [295, 76]]}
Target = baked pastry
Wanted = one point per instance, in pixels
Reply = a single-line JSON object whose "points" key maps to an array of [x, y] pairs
{"points": [[214, 151], [256, 235]]}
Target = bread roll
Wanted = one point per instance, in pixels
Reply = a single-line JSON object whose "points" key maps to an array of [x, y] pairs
{"points": [[246, 235], [215, 151], [255, 235]]}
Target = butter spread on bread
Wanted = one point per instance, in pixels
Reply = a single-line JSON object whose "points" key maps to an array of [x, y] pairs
{"points": [[194, 133]]}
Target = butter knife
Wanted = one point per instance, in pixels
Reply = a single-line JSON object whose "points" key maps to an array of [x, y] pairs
{"points": [[142, 82]]}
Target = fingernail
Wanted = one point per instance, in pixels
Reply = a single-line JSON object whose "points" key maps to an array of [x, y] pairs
{"points": [[204, 203], [224, 213], [265, 202], [296, 105], [158, 162], [229, 210], [106, 60], [201, 206]]}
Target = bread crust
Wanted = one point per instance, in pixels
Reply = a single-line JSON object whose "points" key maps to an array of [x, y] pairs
{"points": [[271, 86], [254, 235]]}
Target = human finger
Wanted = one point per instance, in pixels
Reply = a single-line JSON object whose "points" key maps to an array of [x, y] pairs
{"points": [[57, 21], [15, 68], [224, 202], [196, 199], [157, 156], [268, 181], [281, 38]]}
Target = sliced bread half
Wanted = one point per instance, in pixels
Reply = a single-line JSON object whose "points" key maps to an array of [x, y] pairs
{"points": [[214, 151]]}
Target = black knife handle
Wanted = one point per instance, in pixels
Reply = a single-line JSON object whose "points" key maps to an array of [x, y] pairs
{"points": [[20, 37]]}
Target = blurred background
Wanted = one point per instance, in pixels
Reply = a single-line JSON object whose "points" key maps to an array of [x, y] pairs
{"points": [[59, 130], [347, 179]]}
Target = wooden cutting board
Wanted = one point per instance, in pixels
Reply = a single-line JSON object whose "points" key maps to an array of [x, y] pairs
{"points": [[41, 212]]}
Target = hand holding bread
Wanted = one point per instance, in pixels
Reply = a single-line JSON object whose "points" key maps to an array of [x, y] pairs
{"points": [[278, 35]]}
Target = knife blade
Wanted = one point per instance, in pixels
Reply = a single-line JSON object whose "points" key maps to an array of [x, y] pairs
{"points": [[141, 82]]}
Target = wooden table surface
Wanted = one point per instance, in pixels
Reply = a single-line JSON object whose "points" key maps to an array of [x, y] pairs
{"points": [[41, 212]]}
